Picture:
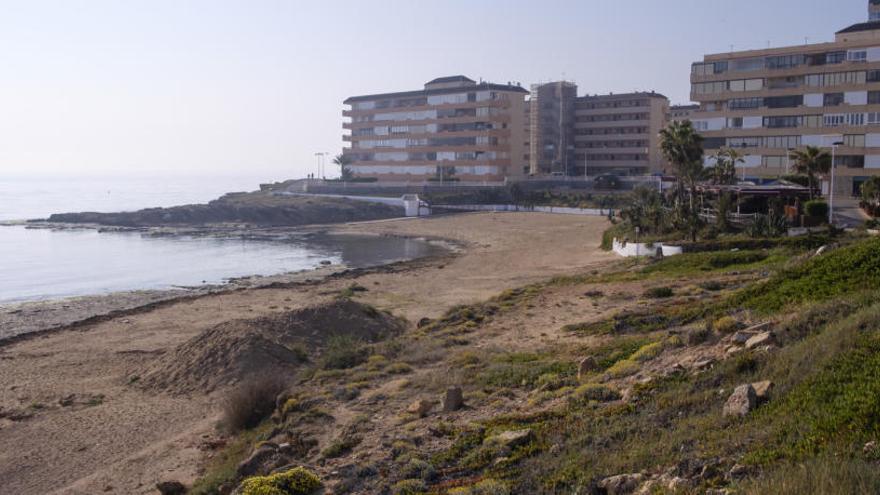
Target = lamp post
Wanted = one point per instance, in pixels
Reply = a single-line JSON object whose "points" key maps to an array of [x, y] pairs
{"points": [[834, 146]]}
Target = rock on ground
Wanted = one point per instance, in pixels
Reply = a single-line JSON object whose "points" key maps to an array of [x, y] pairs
{"points": [[760, 339], [622, 484], [586, 366], [741, 402], [421, 407], [512, 438], [171, 488], [762, 389]]}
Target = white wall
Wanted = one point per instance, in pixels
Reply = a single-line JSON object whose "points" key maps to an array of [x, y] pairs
{"points": [[814, 100], [856, 97], [752, 161], [874, 54], [713, 124], [811, 140], [872, 140], [753, 122], [631, 249], [872, 161]]}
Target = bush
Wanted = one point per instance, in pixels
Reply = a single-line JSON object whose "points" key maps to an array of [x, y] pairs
{"points": [[725, 324], [827, 476], [596, 392], [418, 469], [712, 285], [409, 487], [816, 208], [659, 292], [485, 487], [251, 402], [344, 351], [297, 481]]}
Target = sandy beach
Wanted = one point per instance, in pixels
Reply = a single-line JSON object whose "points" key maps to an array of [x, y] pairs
{"points": [[68, 404]]}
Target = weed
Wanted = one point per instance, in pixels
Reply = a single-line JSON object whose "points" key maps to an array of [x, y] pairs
{"points": [[251, 402], [344, 351], [659, 292]]}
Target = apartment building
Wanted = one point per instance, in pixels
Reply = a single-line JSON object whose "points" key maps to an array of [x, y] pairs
{"points": [[619, 133], [593, 135], [551, 128], [768, 102], [680, 113], [453, 129]]}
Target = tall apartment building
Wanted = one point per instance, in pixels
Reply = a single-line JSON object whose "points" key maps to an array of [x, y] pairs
{"points": [[768, 102], [577, 135], [453, 129], [551, 128]]}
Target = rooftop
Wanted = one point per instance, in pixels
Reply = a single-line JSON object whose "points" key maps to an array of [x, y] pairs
{"points": [[637, 94], [450, 79], [484, 86], [862, 26]]}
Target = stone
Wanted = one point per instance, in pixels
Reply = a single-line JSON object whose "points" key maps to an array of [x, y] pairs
{"points": [[424, 322], [741, 337], [420, 408], [249, 466], [738, 471], [742, 401], [171, 488], [454, 399], [760, 327], [622, 484], [762, 390], [678, 484], [870, 449], [512, 438], [704, 364], [761, 339], [821, 250], [587, 365]]}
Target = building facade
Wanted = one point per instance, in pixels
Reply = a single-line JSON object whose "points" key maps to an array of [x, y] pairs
{"points": [[619, 134], [454, 129], [766, 103], [551, 128], [681, 113]]}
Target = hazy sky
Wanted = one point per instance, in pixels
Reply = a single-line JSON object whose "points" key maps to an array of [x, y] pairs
{"points": [[255, 87]]}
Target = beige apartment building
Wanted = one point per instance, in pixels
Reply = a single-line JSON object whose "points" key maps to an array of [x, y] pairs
{"points": [[681, 113], [619, 133], [768, 102], [593, 135], [455, 129]]}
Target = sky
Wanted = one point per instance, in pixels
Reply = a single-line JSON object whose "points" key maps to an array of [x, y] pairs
{"points": [[255, 87]]}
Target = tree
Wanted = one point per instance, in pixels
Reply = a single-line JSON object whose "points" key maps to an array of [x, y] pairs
{"points": [[811, 162], [344, 162], [724, 171], [682, 147], [645, 210], [871, 191]]}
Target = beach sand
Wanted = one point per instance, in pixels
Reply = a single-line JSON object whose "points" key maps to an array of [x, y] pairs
{"points": [[71, 420]]}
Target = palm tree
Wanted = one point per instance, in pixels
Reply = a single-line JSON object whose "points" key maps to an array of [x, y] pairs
{"points": [[726, 161], [810, 162], [682, 147], [344, 162]]}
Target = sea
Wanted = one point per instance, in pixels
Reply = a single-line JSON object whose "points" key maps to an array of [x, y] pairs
{"points": [[40, 264]]}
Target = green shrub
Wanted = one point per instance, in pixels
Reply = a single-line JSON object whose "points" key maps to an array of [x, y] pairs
{"points": [[341, 446], [419, 469], [297, 481], [344, 351], [725, 324], [485, 487], [828, 476], [648, 352], [595, 392], [398, 368], [816, 208], [409, 487], [659, 292]]}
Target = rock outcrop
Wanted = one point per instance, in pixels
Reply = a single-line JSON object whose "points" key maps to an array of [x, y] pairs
{"points": [[741, 402]]}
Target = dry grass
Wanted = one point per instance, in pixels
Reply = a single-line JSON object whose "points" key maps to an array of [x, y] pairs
{"points": [[251, 402]]}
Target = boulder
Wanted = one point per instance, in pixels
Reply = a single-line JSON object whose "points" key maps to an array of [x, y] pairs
{"points": [[587, 365], [742, 401], [454, 399], [741, 337], [762, 390], [760, 327], [421, 407], [171, 488], [761, 339], [622, 484], [512, 438]]}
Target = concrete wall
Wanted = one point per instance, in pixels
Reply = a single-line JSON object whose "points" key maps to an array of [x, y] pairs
{"points": [[631, 249]]}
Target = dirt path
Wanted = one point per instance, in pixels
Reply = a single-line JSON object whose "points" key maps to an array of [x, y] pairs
{"points": [[110, 437]]}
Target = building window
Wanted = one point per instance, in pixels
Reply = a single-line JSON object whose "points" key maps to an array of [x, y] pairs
{"points": [[773, 161], [812, 121], [745, 103], [782, 142], [783, 61], [858, 56], [784, 101], [873, 118], [833, 99], [744, 142], [781, 122], [873, 97], [854, 140], [735, 123], [835, 57], [851, 161], [747, 64]]}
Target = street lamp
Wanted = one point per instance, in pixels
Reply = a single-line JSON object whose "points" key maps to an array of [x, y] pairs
{"points": [[834, 146]]}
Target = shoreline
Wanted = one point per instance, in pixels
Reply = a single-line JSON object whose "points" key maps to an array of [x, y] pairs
{"points": [[120, 438], [21, 320]]}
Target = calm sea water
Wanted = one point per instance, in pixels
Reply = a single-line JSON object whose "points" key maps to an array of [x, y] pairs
{"points": [[39, 264]]}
